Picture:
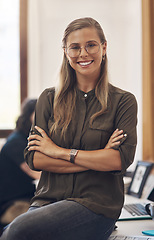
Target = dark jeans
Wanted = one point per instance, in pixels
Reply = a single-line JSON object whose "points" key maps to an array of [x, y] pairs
{"points": [[64, 220]]}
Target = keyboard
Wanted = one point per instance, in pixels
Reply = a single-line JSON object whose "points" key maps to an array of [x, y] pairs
{"points": [[130, 238], [136, 209]]}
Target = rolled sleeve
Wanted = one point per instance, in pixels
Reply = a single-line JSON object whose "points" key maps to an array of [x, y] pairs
{"points": [[126, 119], [43, 113]]}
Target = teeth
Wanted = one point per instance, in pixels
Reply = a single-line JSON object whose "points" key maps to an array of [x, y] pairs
{"points": [[84, 63]]}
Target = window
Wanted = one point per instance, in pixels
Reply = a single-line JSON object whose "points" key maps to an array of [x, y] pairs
{"points": [[13, 62], [9, 62]]}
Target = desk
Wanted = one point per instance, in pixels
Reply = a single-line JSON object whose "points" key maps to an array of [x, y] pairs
{"points": [[133, 227]]}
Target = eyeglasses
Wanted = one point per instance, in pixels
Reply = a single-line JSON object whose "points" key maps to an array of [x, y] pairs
{"points": [[91, 47]]}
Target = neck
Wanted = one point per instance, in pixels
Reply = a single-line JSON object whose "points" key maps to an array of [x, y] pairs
{"points": [[86, 84]]}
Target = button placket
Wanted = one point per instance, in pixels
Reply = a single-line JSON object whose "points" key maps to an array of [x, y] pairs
{"points": [[80, 125]]}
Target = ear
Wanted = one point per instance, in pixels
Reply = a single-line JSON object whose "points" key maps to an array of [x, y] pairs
{"points": [[104, 48], [66, 55]]}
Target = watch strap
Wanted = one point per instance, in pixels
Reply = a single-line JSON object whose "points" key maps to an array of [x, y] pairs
{"points": [[73, 154]]}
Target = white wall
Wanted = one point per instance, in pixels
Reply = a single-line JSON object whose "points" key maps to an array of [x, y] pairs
{"points": [[121, 22]]}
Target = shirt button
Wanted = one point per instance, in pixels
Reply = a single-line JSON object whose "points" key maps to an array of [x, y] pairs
{"points": [[85, 95]]}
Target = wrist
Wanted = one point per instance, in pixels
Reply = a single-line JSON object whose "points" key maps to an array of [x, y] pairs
{"points": [[64, 154], [68, 154]]}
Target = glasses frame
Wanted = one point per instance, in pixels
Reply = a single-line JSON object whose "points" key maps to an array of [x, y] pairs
{"points": [[85, 47]]}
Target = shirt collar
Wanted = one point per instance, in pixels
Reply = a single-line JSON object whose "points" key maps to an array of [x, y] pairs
{"points": [[86, 95]]}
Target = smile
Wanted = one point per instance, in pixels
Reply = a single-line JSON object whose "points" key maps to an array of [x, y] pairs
{"points": [[85, 63]]}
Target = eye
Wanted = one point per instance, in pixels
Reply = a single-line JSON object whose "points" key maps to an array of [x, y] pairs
{"points": [[91, 45], [75, 47]]}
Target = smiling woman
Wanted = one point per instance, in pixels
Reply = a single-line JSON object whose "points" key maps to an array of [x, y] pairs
{"points": [[77, 141]]}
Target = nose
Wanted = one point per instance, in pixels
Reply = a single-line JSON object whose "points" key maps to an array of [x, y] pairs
{"points": [[83, 51]]}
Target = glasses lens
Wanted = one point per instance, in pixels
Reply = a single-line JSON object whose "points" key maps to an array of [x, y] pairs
{"points": [[92, 47], [73, 51]]}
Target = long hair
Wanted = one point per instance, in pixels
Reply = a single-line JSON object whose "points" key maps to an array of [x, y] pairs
{"points": [[65, 95], [23, 123]]}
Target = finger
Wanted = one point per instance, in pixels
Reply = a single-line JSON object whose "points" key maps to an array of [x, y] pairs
{"points": [[117, 130], [122, 136], [115, 139], [34, 142], [116, 133], [34, 148], [115, 144], [41, 131], [37, 137]]}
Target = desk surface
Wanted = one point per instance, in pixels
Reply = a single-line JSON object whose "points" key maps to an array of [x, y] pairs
{"points": [[134, 227]]}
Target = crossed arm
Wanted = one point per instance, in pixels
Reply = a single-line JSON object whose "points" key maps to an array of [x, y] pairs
{"points": [[50, 157]]}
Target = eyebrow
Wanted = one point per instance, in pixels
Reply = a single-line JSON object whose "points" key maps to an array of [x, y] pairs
{"points": [[79, 43]]}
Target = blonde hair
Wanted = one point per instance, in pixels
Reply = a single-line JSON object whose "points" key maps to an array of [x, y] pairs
{"points": [[65, 95]]}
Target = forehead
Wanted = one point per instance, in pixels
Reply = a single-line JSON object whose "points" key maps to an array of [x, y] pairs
{"points": [[83, 35]]}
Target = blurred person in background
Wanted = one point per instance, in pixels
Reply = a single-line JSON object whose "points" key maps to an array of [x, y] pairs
{"points": [[16, 178]]}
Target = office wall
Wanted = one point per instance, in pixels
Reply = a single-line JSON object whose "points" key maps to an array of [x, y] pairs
{"points": [[121, 21]]}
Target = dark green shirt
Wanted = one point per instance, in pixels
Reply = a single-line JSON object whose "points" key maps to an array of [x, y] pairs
{"points": [[101, 192]]}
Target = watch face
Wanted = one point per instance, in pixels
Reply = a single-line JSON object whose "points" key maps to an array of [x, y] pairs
{"points": [[73, 152]]}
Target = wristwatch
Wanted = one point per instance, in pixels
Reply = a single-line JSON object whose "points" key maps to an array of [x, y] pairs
{"points": [[73, 154]]}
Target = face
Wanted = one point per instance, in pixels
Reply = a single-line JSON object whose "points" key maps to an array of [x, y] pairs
{"points": [[85, 64]]}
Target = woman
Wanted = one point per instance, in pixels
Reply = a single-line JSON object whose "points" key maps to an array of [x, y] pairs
{"points": [[81, 190]]}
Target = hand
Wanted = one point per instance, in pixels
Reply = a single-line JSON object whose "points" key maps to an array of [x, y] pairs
{"points": [[43, 144], [115, 139]]}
